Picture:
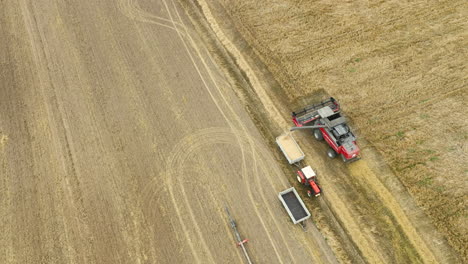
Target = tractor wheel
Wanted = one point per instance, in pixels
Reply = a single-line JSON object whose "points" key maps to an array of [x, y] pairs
{"points": [[318, 134], [299, 179], [331, 153]]}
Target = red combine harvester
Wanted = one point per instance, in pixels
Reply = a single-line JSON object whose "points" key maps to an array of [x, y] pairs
{"points": [[328, 123]]}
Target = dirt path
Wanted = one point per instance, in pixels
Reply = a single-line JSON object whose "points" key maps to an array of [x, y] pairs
{"points": [[121, 141], [375, 211]]}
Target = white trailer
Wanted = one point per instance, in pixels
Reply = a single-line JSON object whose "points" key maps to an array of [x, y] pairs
{"points": [[294, 205], [290, 148]]}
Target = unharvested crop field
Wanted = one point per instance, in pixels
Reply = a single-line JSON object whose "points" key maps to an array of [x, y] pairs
{"points": [[399, 70]]}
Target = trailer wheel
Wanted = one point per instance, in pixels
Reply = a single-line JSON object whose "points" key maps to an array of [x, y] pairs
{"points": [[318, 134], [331, 153]]}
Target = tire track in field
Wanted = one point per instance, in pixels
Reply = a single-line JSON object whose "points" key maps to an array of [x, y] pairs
{"points": [[259, 186], [132, 10], [183, 151], [254, 157], [263, 96], [245, 130], [239, 122], [63, 151]]}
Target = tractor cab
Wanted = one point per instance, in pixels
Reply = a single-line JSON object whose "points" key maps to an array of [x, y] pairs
{"points": [[307, 176]]}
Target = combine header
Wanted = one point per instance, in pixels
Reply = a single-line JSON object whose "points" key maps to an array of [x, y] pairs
{"points": [[328, 124]]}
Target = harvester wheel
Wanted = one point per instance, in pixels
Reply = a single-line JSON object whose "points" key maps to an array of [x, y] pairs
{"points": [[318, 134], [331, 153], [343, 157]]}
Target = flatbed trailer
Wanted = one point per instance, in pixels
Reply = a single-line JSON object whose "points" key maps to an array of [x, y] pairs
{"points": [[294, 205], [290, 148]]}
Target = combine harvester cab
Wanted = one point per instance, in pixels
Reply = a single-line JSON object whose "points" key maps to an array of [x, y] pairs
{"points": [[328, 124]]}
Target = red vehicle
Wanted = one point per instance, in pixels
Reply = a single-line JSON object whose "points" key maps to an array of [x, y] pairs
{"points": [[328, 124], [307, 176]]}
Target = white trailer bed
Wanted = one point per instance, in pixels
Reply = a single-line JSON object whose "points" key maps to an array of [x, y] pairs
{"points": [[290, 148]]}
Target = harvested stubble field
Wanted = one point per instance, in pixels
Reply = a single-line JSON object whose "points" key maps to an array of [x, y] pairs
{"points": [[399, 70]]}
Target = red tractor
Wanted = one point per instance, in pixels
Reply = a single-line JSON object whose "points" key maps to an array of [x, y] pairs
{"points": [[307, 176], [328, 123]]}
